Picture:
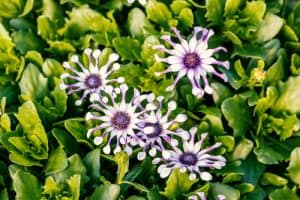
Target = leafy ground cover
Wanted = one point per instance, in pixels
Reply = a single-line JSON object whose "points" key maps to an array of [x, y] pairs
{"points": [[249, 107]]}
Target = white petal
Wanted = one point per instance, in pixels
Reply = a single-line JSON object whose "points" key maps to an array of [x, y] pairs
{"points": [[94, 97], [172, 105], [155, 161], [205, 176], [141, 155], [152, 152], [106, 149], [181, 118], [192, 176], [98, 140], [89, 116], [116, 66], [174, 142], [166, 154], [164, 172], [149, 129], [74, 58], [117, 149]]}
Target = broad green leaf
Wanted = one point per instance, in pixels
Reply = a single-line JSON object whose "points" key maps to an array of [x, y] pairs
{"points": [[57, 161], [6, 43], [92, 164], [122, 160], [105, 192], [284, 193], [135, 198], [137, 186], [26, 41], [220, 92], [154, 194], [52, 67], [26, 185], [233, 108], [78, 131], [257, 194], [294, 166], [34, 57], [186, 18], [269, 28], [10, 9], [215, 11], [148, 52], [158, 12], [138, 25], [177, 5], [84, 19], [273, 179], [229, 192], [60, 47], [288, 96], [4, 194], [177, 184], [295, 64], [289, 33], [33, 84], [242, 149], [254, 11], [46, 28], [27, 8], [51, 187], [252, 170], [66, 141], [128, 48], [74, 185], [32, 125], [232, 6]]}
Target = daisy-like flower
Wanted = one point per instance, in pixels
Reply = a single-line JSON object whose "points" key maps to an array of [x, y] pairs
{"points": [[192, 159], [119, 119], [90, 80], [155, 130], [192, 58], [201, 196], [142, 2]]}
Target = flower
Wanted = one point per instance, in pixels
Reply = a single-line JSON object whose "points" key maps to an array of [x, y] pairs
{"points": [[155, 130], [120, 119], [202, 196], [192, 58], [191, 159], [142, 2], [91, 80]]}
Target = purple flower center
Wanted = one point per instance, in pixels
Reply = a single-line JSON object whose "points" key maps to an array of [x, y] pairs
{"points": [[157, 129], [93, 81], [191, 60], [188, 158], [120, 120]]}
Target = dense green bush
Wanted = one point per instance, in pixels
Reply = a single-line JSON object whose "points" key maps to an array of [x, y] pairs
{"points": [[44, 149]]}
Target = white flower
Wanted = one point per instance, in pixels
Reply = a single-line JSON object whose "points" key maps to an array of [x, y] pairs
{"points": [[156, 130], [192, 58], [201, 196], [119, 119], [142, 2], [193, 158], [92, 80]]}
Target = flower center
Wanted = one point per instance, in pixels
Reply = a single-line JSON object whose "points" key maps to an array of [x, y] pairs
{"points": [[157, 129], [191, 60], [93, 81], [188, 159], [120, 120]]}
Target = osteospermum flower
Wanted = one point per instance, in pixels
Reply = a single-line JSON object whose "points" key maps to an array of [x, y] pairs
{"points": [[192, 58], [193, 158], [155, 130], [91, 80], [201, 196], [142, 2], [119, 119]]}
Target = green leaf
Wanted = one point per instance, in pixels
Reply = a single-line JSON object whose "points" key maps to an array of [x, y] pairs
{"points": [[139, 26], [26, 41], [215, 11], [122, 160], [78, 131], [158, 12], [229, 192], [10, 9], [84, 19], [294, 166], [26, 185], [32, 125], [177, 184], [177, 5], [233, 108], [6, 44], [60, 47], [232, 6], [243, 149], [128, 48], [254, 11], [148, 53], [57, 161], [269, 28], [66, 141], [74, 185], [284, 193], [295, 64], [33, 84], [27, 8], [252, 170], [105, 192], [92, 164], [273, 179], [288, 96], [186, 18]]}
